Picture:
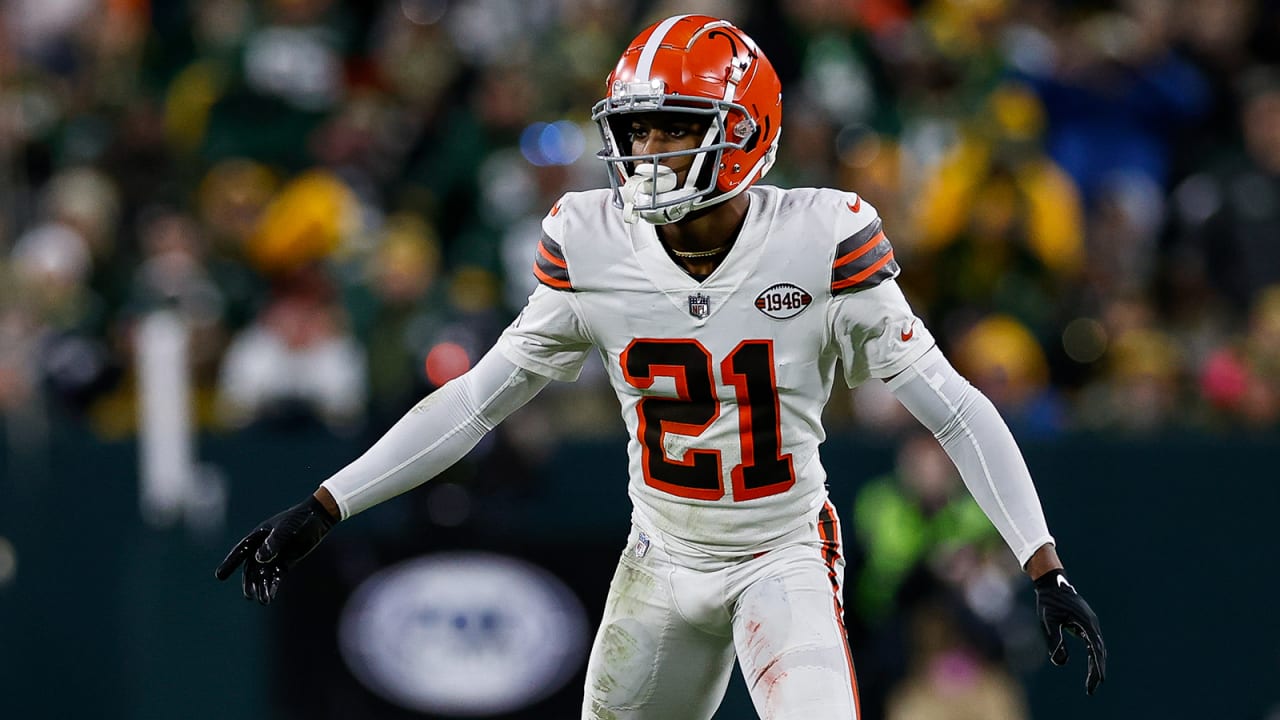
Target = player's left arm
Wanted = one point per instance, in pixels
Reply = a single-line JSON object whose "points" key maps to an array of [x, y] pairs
{"points": [[983, 449], [879, 336]]}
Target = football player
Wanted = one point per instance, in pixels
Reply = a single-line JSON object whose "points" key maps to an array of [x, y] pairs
{"points": [[720, 307]]}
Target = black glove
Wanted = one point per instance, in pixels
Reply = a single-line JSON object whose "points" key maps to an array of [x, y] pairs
{"points": [[1060, 608], [275, 546]]}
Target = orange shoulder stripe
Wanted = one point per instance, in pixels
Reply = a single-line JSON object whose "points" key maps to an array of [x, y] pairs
{"points": [[548, 280], [542, 250], [860, 251], [854, 280]]}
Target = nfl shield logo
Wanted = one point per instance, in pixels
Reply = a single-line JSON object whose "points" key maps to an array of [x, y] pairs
{"points": [[699, 305]]}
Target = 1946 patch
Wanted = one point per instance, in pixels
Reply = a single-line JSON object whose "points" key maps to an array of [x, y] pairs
{"points": [[783, 301]]}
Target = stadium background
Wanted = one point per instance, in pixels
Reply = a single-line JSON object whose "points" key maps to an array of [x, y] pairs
{"points": [[321, 210]]}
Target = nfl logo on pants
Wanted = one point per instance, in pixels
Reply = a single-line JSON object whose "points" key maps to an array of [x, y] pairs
{"points": [[699, 305]]}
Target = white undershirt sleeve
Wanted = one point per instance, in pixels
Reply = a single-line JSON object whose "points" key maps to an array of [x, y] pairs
{"points": [[978, 441], [435, 434]]}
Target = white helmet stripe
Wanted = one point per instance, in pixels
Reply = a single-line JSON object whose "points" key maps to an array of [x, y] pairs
{"points": [[651, 47]]}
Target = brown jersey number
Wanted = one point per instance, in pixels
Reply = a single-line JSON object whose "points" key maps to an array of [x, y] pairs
{"points": [[748, 369]]}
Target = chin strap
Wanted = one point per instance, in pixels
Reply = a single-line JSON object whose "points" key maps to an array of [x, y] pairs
{"points": [[628, 193]]}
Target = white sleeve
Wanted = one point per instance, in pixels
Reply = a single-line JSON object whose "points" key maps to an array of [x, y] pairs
{"points": [[547, 338], [876, 332], [979, 442], [435, 434]]}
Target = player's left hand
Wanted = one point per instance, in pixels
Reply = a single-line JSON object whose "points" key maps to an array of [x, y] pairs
{"points": [[1060, 608], [275, 546]]}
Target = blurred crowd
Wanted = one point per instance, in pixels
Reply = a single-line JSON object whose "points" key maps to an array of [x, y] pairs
{"points": [[339, 203], [340, 200]]}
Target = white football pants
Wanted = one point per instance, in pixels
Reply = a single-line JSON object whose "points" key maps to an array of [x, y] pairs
{"points": [[673, 623]]}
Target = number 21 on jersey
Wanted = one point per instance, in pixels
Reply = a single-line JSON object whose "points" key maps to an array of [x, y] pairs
{"points": [[748, 369]]}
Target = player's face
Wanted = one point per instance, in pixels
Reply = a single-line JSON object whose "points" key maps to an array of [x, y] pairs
{"points": [[652, 133]]}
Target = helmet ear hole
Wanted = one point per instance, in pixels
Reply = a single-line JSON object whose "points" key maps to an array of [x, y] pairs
{"points": [[760, 132]]}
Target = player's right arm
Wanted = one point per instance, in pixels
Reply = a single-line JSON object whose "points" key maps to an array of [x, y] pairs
{"points": [[435, 434], [451, 420], [546, 342], [543, 344]]}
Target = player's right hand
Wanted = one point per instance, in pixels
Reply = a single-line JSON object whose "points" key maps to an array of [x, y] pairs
{"points": [[275, 546], [1060, 608]]}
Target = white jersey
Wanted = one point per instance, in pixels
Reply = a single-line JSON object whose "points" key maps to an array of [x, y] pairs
{"points": [[722, 382]]}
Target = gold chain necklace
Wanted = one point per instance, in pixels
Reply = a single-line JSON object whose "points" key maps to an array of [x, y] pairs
{"points": [[695, 254]]}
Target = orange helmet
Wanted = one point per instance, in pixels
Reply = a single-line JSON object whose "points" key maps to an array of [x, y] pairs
{"points": [[699, 65]]}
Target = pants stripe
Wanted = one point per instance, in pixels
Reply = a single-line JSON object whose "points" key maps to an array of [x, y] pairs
{"points": [[829, 533]]}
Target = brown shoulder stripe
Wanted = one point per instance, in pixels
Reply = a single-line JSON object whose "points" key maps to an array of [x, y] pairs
{"points": [[549, 265], [863, 260], [860, 243]]}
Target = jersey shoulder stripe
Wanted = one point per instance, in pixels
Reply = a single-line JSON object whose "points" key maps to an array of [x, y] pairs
{"points": [[863, 260], [575, 243], [549, 265]]}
